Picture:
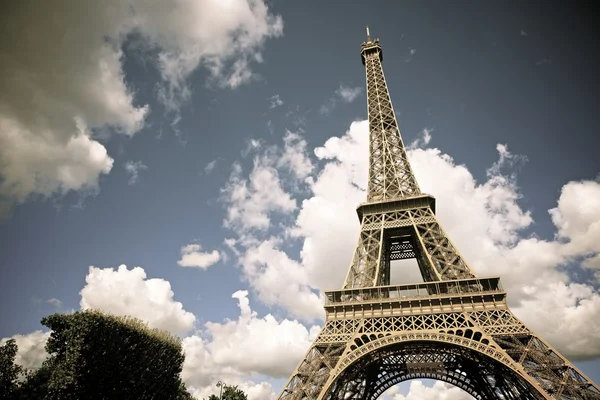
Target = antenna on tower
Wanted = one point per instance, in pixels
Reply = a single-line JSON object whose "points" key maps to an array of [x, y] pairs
{"points": [[368, 34]]}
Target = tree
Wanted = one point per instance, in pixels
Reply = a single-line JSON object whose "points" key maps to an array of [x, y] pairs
{"points": [[99, 356], [35, 384], [184, 394], [230, 393], [9, 371]]}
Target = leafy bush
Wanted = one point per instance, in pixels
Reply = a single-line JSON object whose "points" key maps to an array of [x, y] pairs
{"points": [[94, 355]]}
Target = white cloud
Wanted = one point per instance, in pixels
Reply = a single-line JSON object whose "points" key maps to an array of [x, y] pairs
{"points": [[237, 351], [55, 302], [133, 168], [279, 280], [577, 217], [225, 37], [331, 210], [192, 256], [491, 238], [423, 139], [34, 165], [295, 157], [64, 77], [252, 145], [210, 167], [506, 160], [232, 351], [343, 93], [419, 391], [242, 343], [348, 94], [275, 101], [128, 292], [250, 201], [258, 391], [31, 348], [567, 315]]}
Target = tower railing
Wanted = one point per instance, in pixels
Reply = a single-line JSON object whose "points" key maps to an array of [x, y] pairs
{"points": [[452, 288]]}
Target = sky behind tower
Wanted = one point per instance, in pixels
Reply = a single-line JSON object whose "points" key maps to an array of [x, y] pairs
{"points": [[197, 164]]}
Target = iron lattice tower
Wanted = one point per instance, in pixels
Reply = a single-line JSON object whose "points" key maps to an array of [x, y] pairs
{"points": [[455, 326]]}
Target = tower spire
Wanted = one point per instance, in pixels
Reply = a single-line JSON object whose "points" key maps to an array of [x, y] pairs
{"points": [[368, 34], [390, 174]]}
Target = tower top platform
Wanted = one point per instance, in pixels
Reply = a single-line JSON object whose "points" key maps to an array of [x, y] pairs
{"points": [[370, 46]]}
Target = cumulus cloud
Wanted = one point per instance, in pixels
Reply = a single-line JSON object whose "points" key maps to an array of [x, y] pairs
{"points": [[31, 164], [64, 78], [133, 169], [250, 202], [236, 349], [331, 210], [567, 315], [577, 218], [492, 239], [125, 291], [280, 281], [192, 256], [31, 348], [226, 38], [258, 391], [294, 157]]}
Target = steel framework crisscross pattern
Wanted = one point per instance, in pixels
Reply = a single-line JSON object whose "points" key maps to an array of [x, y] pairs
{"points": [[438, 260], [390, 174], [468, 369], [453, 327]]}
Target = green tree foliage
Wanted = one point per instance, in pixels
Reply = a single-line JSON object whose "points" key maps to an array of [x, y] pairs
{"points": [[35, 385], [9, 371], [100, 356], [184, 394], [230, 393]]}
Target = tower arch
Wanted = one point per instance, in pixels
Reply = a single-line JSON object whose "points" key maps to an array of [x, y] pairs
{"points": [[478, 369]]}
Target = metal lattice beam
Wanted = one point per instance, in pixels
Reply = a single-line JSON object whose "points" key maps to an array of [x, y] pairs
{"points": [[390, 174]]}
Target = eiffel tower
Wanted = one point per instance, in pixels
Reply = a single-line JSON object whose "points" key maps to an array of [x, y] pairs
{"points": [[455, 326]]}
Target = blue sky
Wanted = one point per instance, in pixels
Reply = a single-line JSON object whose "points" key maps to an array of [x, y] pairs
{"points": [[126, 137]]}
